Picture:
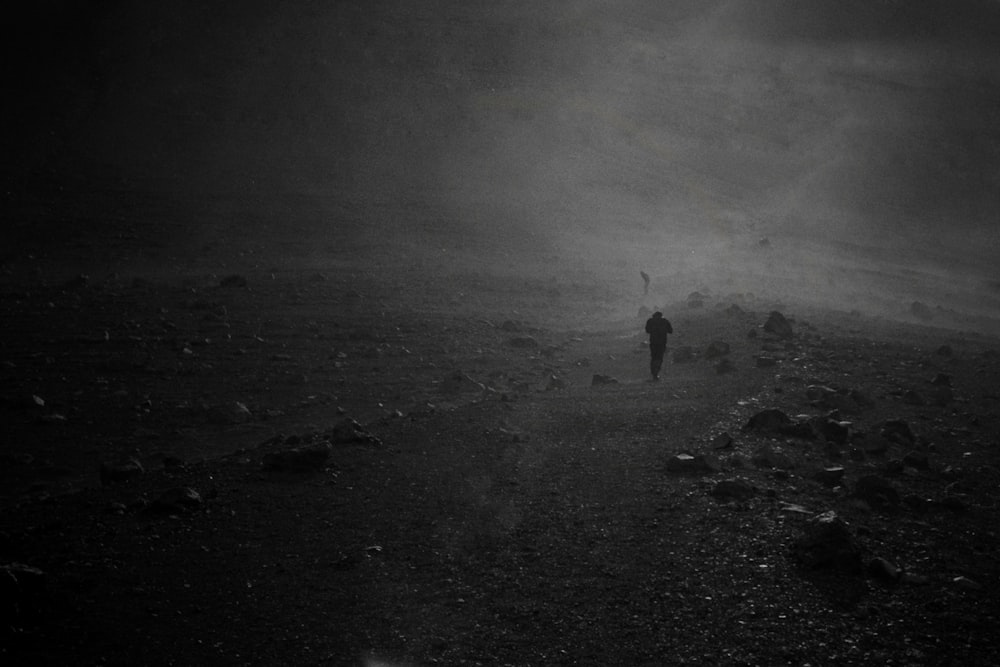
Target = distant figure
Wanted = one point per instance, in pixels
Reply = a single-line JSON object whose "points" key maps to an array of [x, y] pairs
{"points": [[657, 327], [645, 282]]}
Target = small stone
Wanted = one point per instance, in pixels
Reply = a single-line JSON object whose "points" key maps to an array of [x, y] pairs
{"points": [[778, 325], [555, 382], [967, 583], [697, 464], [122, 471], [735, 489], [307, 458], [827, 542], [599, 379], [716, 349], [767, 457], [768, 420], [722, 441], [898, 431], [917, 460], [177, 500], [880, 568], [725, 366], [831, 476], [234, 280], [348, 431], [942, 380], [876, 491], [683, 354]]}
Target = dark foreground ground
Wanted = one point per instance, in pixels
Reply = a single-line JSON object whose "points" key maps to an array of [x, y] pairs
{"points": [[496, 507]]}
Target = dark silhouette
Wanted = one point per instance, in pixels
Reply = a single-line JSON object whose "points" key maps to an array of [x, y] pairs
{"points": [[645, 282], [657, 327]]}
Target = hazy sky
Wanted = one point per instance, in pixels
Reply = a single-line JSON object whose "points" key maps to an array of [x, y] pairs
{"points": [[847, 118]]}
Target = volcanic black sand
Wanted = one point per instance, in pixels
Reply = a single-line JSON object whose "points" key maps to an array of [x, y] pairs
{"points": [[496, 506], [321, 333]]}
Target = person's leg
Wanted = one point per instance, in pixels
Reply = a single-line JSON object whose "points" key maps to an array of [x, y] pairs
{"points": [[656, 361]]}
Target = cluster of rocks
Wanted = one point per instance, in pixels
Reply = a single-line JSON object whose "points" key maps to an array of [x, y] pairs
{"points": [[311, 452], [889, 449]]}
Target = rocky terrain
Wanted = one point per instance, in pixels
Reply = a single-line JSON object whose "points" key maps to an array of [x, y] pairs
{"points": [[321, 333], [308, 467]]}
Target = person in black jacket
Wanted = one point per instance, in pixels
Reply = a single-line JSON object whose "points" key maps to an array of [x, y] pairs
{"points": [[657, 327]]}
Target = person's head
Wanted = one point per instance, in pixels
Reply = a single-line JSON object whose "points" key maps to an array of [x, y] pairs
{"points": [[657, 315]]}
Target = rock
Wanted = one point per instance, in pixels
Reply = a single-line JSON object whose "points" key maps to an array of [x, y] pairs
{"points": [[967, 583], [777, 325], [722, 441], [871, 445], [599, 379], [764, 361], [230, 413], [683, 354], [911, 397], [724, 366], [772, 420], [348, 431], [880, 568], [716, 348], [234, 280], [942, 380], [555, 382], [827, 542], [123, 471], [944, 351], [766, 457], [917, 460], [914, 579], [792, 508], [699, 464], [173, 465], [898, 431], [734, 310], [921, 311], [830, 430], [942, 396], [177, 500], [830, 476], [876, 491], [20, 585], [307, 458], [510, 326], [523, 342], [733, 489]]}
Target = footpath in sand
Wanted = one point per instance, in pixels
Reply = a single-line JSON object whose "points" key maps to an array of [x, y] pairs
{"points": [[492, 504]]}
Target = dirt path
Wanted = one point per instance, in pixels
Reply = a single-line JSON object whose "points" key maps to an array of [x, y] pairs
{"points": [[503, 520]]}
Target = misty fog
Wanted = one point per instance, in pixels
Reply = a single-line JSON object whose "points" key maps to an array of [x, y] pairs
{"points": [[587, 139]]}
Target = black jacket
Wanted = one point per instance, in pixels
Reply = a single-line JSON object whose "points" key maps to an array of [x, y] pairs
{"points": [[658, 328]]}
